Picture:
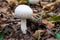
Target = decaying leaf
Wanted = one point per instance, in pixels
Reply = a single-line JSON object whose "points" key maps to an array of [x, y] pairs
{"points": [[35, 15], [49, 7], [36, 34], [15, 28], [22, 1], [4, 19], [48, 24], [57, 1], [51, 14], [4, 10], [43, 3], [12, 2], [4, 25], [49, 32]]}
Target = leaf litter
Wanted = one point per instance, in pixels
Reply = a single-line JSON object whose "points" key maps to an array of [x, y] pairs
{"points": [[45, 29]]}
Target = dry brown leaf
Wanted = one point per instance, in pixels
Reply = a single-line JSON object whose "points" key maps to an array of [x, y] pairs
{"points": [[49, 32], [48, 23], [15, 28], [4, 10], [35, 15], [12, 2], [43, 3], [4, 25], [4, 19], [35, 35], [22, 1], [49, 7], [57, 0]]}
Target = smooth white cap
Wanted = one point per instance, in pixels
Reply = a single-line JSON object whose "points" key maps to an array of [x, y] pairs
{"points": [[23, 11], [33, 1]]}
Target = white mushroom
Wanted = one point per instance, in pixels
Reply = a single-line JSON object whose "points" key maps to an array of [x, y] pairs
{"points": [[24, 12], [33, 1]]}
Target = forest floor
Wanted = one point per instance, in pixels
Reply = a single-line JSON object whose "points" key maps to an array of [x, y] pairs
{"points": [[36, 29]]}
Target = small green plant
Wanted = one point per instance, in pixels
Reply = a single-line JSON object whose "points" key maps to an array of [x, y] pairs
{"points": [[2, 35], [55, 19]]}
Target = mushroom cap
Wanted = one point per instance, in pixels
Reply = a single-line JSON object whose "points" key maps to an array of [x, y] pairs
{"points": [[33, 1], [23, 11]]}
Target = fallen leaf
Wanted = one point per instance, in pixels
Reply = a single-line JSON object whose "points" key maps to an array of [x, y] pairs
{"points": [[48, 24], [57, 1], [22, 1], [35, 15], [12, 2], [36, 34], [3, 19], [43, 3], [49, 32], [49, 7], [4, 25], [4, 10]]}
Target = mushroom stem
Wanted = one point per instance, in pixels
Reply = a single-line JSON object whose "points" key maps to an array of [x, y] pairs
{"points": [[23, 25]]}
